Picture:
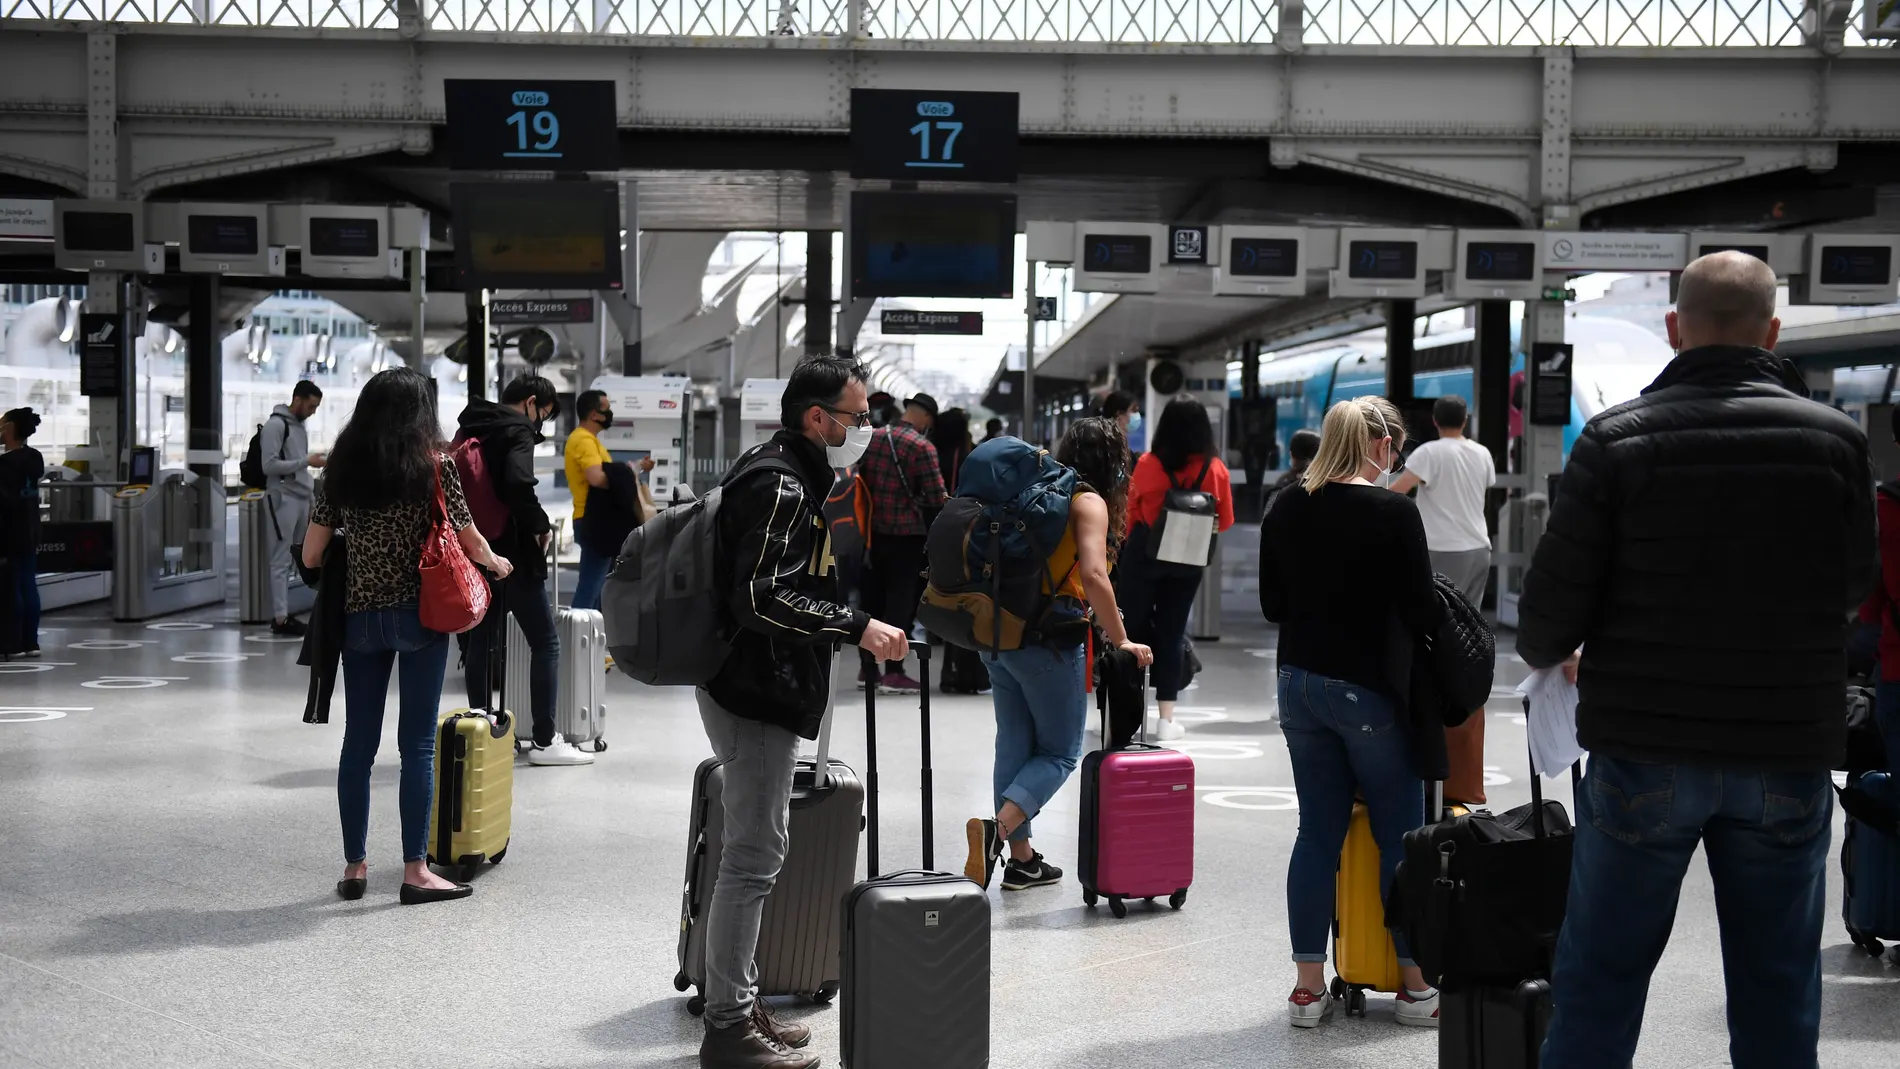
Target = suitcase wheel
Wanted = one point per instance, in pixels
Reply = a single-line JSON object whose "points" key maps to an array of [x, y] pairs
{"points": [[466, 873], [696, 1005], [825, 994], [1355, 1002], [1339, 989], [1089, 898], [1178, 899], [499, 854], [1867, 943], [1117, 906], [680, 982], [600, 745]]}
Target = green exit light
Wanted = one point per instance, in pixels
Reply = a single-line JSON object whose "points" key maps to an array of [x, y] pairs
{"points": [[1558, 293]]}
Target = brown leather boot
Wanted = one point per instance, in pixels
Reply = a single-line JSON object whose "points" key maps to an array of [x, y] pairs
{"points": [[788, 1033], [743, 1046]]}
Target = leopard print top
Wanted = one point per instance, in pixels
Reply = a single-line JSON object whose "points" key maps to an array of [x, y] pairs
{"points": [[386, 545]]}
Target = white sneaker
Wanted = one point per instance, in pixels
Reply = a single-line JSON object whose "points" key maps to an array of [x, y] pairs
{"points": [[1307, 1010], [1418, 1012], [1169, 731], [559, 752]]}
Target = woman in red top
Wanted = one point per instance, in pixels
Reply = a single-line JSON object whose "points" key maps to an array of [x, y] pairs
{"points": [[1157, 596]]}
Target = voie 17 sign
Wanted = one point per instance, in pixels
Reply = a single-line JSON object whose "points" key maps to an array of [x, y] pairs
{"points": [[912, 135], [531, 124]]}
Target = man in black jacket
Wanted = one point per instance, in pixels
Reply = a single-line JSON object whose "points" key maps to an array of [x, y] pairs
{"points": [[1706, 547], [509, 432], [774, 687]]}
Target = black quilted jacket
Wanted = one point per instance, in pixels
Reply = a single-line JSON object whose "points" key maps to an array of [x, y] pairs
{"points": [[1464, 655], [1707, 545]]}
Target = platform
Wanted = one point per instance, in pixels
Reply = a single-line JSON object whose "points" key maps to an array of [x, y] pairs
{"points": [[171, 842]]}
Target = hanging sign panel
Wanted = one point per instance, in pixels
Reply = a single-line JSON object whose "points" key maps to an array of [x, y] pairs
{"points": [[916, 321], [1609, 250], [102, 338], [531, 124], [1549, 404], [912, 135]]}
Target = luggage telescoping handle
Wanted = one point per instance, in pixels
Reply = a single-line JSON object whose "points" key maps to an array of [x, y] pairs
{"points": [[1537, 781], [869, 665]]}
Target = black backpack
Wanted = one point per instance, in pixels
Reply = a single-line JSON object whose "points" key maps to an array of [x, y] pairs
{"points": [[251, 468], [1463, 654]]}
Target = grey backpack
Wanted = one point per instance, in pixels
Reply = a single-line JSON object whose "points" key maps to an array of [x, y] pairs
{"points": [[664, 601]]}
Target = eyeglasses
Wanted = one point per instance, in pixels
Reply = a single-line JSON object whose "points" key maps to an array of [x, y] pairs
{"points": [[858, 419]]}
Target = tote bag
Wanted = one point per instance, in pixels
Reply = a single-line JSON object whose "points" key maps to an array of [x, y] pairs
{"points": [[454, 591]]}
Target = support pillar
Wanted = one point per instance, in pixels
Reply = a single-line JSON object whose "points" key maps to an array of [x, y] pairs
{"points": [[1029, 357], [817, 292], [1492, 382], [204, 383], [476, 307], [1400, 326]]}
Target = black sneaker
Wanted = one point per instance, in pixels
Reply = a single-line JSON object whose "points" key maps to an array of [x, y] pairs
{"points": [[290, 626], [1036, 872], [985, 847]]}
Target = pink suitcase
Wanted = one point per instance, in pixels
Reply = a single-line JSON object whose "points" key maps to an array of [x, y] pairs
{"points": [[1137, 834]]}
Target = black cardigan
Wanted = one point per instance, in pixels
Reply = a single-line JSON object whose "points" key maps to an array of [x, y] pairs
{"points": [[323, 643]]}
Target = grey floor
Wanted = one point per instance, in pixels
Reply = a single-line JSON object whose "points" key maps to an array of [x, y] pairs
{"points": [[169, 843]]}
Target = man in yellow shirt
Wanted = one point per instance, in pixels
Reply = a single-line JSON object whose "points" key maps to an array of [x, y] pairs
{"points": [[585, 459]]}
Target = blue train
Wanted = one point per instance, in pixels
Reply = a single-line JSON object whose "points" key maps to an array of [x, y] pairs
{"points": [[1614, 361]]}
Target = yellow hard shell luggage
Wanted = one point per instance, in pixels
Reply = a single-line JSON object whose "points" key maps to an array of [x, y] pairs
{"points": [[1363, 956], [474, 784]]}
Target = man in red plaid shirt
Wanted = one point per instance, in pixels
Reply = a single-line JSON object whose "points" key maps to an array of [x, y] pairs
{"points": [[900, 467]]}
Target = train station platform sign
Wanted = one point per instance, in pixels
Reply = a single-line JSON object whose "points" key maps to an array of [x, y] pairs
{"points": [[911, 321], [534, 311]]}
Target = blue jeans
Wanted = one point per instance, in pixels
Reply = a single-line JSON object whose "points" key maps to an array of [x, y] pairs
{"points": [[1040, 714], [527, 599], [1638, 823], [26, 598], [593, 577], [1887, 715], [1344, 739], [374, 642]]}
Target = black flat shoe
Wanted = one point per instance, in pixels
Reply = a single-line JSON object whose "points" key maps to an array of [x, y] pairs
{"points": [[351, 890], [415, 896]]}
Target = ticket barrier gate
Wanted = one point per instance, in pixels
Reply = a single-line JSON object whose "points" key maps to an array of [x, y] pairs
{"points": [[75, 550], [257, 533], [168, 546]]}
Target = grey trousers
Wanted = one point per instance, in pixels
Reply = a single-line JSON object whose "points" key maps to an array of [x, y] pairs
{"points": [[1467, 569], [759, 760], [292, 515]]}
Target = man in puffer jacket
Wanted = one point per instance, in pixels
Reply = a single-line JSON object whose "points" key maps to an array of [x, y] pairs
{"points": [[1704, 551]]}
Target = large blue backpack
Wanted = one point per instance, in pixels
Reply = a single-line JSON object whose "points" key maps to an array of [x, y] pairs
{"points": [[990, 573]]}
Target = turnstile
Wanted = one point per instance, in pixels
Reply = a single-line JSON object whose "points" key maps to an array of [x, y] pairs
{"points": [[75, 551], [168, 546], [257, 533]]}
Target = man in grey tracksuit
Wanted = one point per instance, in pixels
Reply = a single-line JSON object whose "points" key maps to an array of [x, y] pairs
{"points": [[283, 446]]}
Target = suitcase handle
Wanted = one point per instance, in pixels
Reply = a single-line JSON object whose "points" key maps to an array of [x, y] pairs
{"points": [[1537, 781], [868, 665]]}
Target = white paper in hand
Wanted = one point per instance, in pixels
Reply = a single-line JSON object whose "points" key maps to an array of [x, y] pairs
{"points": [[1551, 720]]}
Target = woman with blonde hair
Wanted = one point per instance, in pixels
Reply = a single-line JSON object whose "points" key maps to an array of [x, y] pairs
{"points": [[1341, 560]]}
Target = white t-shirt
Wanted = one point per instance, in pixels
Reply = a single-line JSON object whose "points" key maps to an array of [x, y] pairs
{"points": [[1455, 472]]}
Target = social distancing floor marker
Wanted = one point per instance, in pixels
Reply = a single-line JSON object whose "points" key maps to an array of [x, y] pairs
{"points": [[268, 637], [23, 667], [214, 658], [110, 644], [177, 625], [32, 714], [1262, 799], [1207, 750], [131, 682], [1199, 714]]}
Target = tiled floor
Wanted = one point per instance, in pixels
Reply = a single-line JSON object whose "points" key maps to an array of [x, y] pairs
{"points": [[168, 850]]}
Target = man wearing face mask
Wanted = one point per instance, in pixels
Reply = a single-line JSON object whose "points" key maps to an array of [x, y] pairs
{"points": [[509, 431], [586, 461], [782, 596]]}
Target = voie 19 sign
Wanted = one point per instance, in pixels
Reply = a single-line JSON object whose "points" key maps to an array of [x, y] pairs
{"points": [[912, 135], [531, 125]]}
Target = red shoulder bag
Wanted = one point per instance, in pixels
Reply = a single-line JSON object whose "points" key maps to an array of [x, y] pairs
{"points": [[454, 591]]}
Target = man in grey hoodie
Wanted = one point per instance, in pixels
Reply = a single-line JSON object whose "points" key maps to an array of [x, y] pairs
{"points": [[283, 446]]}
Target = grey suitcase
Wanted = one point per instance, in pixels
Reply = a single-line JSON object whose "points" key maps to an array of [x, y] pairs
{"points": [[798, 933], [580, 691], [915, 939]]}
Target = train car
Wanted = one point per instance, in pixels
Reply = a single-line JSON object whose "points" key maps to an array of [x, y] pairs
{"points": [[1614, 361]]}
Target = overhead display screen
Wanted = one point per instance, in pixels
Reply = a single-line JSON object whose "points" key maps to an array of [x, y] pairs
{"points": [[1118, 254], [932, 245], [335, 236], [531, 124], [1263, 257], [1382, 259], [1496, 261], [98, 231], [929, 135], [221, 235], [1856, 265], [537, 235]]}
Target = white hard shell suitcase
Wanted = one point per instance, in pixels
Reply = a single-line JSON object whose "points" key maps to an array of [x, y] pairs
{"points": [[580, 693]]}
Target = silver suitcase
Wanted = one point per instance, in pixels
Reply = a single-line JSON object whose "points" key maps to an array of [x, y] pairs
{"points": [[580, 692]]}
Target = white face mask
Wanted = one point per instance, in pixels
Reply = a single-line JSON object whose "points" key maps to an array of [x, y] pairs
{"points": [[856, 441], [1385, 432]]}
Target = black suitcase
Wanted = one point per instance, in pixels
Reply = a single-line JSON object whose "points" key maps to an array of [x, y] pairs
{"points": [[798, 933], [916, 958], [1493, 1026]]}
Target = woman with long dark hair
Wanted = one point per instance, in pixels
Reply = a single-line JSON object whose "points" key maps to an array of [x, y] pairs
{"points": [[1038, 691], [1159, 595], [381, 488]]}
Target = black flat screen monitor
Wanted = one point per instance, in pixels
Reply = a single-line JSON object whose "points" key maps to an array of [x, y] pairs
{"points": [[336, 236], [1501, 261], [98, 231], [221, 235], [1382, 259], [537, 235], [1856, 265], [1118, 254], [144, 466], [1263, 257], [932, 245]]}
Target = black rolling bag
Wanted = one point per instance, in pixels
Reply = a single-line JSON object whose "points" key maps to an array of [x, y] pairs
{"points": [[1493, 1026]]}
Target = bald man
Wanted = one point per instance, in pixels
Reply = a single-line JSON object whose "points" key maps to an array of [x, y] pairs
{"points": [[1704, 551]]}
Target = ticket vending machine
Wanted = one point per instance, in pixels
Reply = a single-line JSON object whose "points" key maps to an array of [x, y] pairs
{"points": [[759, 411], [653, 417]]}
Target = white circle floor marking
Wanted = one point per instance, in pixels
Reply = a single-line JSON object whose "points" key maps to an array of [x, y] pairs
{"points": [[1199, 714], [1278, 799], [272, 638], [214, 658], [108, 644], [177, 625], [131, 682], [33, 714], [1494, 776], [1202, 750], [23, 667]]}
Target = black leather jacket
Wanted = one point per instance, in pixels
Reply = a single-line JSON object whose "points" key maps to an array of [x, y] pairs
{"points": [[782, 589], [1705, 549]]}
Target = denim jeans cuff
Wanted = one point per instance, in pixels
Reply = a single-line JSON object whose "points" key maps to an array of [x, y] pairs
{"points": [[1310, 958], [1407, 963], [1029, 805]]}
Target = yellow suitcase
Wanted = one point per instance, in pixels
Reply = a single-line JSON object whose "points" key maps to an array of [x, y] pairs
{"points": [[1363, 956], [474, 785]]}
